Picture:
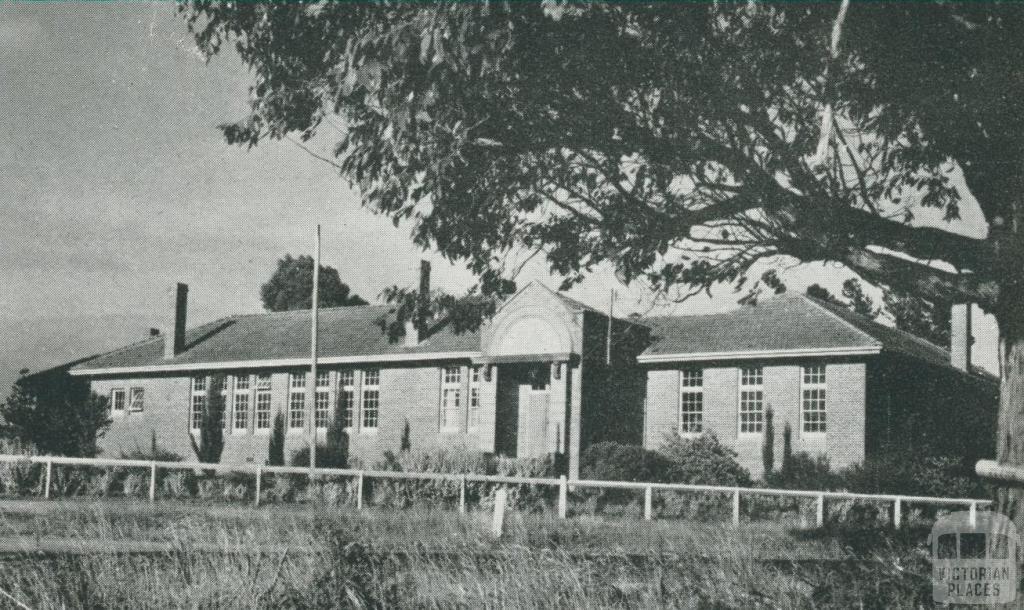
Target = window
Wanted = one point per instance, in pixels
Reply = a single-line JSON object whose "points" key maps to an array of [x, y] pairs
{"points": [[322, 403], [262, 402], [137, 399], [198, 402], [812, 399], [347, 396], [297, 401], [371, 399], [751, 400], [117, 400], [241, 404], [691, 401], [474, 398], [451, 398]]}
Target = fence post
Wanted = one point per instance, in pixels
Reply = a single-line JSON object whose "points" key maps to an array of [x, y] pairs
{"points": [[897, 513], [819, 512], [259, 484], [973, 514], [359, 491], [736, 506], [648, 501], [152, 482], [462, 495], [49, 473], [563, 497]]}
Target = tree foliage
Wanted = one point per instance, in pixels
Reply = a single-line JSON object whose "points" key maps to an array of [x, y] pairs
{"points": [[678, 142], [909, 313], [291, 286], [55, 414]]}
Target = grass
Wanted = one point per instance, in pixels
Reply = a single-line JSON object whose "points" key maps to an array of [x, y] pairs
{"points": [[319, 557]]}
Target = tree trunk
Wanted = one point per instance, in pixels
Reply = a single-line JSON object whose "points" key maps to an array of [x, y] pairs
{"points": [[1009, 314]]}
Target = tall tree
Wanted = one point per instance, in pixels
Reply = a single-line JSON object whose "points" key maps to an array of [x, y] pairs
{"points": [[918, 316], [859, 300], [680, 143], [210, 445], [55, 414], [291, 286]]}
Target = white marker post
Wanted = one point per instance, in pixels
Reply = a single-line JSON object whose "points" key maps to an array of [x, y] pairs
{"points": [[500, 498]]}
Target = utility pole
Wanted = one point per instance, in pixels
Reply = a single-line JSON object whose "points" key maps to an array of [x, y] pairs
{"points": [[311, 383], [608, 343]]}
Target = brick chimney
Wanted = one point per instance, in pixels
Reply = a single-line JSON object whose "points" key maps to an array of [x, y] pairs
{"points": [[417, 326], [174, 337], [423, 298], [960, 337]]}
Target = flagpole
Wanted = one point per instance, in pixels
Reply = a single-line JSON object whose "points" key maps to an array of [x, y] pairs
{"points": [[313, 350]]}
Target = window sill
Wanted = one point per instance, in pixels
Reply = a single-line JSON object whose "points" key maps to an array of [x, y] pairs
{"points": [[750, 435], [261, 432], [814, 436], [295, 431], [690, 434], [242, 432], [368, 431]]}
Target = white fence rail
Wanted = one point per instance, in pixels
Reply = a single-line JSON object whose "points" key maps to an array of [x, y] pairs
{"points": [[899, 502]]}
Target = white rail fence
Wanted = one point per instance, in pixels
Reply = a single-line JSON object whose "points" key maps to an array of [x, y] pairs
{"points": [[899, 502]]}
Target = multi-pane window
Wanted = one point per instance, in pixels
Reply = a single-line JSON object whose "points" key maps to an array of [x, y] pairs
{"points": [[322, 404], [241, 404], [691, 401], [263, 402], [451, 397], [812, 401], [474, 398], [117, 400], [136, 399], [198, 402], [297, 401], [347, 396], [371, 399], [751, 400]]}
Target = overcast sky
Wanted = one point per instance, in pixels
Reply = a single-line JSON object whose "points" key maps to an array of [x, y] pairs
{"points": [[114, 183]]}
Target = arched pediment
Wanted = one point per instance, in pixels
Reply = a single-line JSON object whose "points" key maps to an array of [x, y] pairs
{"points": [[533, 323]]}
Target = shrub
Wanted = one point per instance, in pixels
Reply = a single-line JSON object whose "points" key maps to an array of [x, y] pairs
{"points": [[804, 471], [403, 493], [610, 461], [178, 485], [327, 456], [20, 478], [903, 473], [700, 461]]}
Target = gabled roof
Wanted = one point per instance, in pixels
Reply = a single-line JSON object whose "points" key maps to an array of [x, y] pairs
{"points": [[788, 325], [347, 334]]}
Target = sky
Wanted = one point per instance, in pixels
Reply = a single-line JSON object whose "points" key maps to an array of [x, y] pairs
{"points": [[115, 183]]}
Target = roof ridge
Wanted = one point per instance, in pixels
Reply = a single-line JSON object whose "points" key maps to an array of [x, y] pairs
{"points": [[843, 320], [287, 312]]}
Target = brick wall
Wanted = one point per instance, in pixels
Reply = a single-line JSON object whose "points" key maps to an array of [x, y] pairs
{"points": [[409, 393], [843, 443]]}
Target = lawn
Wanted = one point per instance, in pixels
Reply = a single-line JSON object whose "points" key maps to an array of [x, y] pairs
{"points": [[131, 554]]}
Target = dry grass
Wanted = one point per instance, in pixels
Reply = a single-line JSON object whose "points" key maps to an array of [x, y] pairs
{"points": [[320, 557]]}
